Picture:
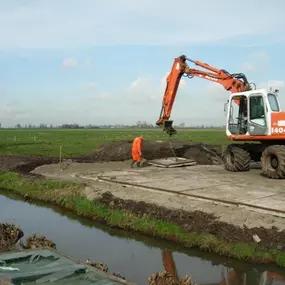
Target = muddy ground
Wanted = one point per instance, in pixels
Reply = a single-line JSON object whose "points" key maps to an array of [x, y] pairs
{"points": [[121, 151], [199, 221], [196, 220]]}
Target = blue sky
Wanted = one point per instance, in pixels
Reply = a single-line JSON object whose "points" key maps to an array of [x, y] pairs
{"points": [[92, 61]]}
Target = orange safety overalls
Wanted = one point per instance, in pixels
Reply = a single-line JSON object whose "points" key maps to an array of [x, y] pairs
{"points": [[137, 149]]}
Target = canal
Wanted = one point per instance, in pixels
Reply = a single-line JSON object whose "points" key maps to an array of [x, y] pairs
{"points": [[134, 256]]}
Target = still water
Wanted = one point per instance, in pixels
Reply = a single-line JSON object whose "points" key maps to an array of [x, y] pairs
{"points": [[133, 256]]}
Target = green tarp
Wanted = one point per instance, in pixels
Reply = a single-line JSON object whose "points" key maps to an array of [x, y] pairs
{"points": [[41, 266]]}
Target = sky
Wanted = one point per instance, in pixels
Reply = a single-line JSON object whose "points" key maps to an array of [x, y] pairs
{"points": [[105, 62]]}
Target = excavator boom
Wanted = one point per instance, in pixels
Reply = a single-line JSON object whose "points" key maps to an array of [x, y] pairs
{"points": [[231, 82]]}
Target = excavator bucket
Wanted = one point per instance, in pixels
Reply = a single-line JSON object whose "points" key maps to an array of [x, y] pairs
{"points": [[167, 127]]}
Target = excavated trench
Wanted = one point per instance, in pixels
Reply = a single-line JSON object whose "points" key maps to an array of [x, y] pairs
{"points": [[120, 151]]}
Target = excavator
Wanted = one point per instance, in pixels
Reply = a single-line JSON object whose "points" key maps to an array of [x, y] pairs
{"points": [[254, 120]]}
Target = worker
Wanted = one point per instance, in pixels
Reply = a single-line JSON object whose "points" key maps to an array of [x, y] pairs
{"points": [[137, 151]]}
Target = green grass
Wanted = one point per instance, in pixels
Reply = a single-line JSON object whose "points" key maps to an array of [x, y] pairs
{"points": [[47, 142], [68, 195]]}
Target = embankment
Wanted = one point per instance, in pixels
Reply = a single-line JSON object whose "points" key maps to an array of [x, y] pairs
{"points": [[190, 229]]}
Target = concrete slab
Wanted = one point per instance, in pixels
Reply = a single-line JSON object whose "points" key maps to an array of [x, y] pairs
{"points": [[210, 183], [172, 162], [237, 214], [276, 202], [234, 193]]}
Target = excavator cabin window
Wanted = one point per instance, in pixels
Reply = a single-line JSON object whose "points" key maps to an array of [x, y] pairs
{"points": [[257, 112], [273, 102], [238, 115]]}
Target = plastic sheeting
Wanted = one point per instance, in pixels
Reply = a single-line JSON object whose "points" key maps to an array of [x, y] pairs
{"points": [[48, 266]]}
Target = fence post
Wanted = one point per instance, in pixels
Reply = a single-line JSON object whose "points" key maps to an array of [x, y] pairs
{"points": [[60, 157]]}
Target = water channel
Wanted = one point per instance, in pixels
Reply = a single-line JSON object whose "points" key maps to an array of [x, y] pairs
{"points": [[134, 256]]}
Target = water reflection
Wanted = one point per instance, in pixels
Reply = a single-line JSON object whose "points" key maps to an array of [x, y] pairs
{"points": [[230, 276], [134, 256]]}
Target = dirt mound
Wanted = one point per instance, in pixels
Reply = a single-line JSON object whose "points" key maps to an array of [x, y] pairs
{"points": [[23, 164], [165, 278], [39, 242], [120, 151], [200, 222], [9, 236]]}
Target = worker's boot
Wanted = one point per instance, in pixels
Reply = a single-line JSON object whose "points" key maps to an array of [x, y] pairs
{"points": [[132, 164]]}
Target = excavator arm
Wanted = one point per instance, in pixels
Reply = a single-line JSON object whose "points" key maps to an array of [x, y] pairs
{"points": [[232, 82]]}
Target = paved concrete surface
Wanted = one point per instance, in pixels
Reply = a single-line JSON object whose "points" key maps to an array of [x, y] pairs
{"points": [[206, 181], [211, 182]]}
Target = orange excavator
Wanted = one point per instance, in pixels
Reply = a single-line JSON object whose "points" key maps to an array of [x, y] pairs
{"points": [[232, 277], [252, 116]]}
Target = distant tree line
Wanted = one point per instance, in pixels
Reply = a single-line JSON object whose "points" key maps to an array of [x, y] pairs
{"points": [[139, 124]]}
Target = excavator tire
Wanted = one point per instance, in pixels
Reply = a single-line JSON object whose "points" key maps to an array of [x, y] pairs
{"points": [[273, 162], [236, 159]]}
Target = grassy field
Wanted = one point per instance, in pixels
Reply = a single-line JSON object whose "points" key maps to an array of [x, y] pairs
{"points": [[47, 142]]}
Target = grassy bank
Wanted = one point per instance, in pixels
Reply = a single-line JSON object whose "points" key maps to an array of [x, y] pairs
{"points": [[47, 142], [69, 195]]}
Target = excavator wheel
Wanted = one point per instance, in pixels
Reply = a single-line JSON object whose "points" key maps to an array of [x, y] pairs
{"points": [[273, 162], [236, 159]]}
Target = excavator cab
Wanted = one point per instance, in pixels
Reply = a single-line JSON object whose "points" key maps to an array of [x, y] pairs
{"points": [[249, 113]]}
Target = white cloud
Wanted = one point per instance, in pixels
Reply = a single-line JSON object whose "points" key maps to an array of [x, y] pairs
{"points": [[69, 63], [258, 62], [89, 62], [89, 85], [73, 23], [141, 100], [13, 112]]}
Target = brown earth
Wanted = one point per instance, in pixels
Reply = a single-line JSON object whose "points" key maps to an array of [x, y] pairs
{"points": [[201, 222], [11, 234], [165, 278], [120, 151]]}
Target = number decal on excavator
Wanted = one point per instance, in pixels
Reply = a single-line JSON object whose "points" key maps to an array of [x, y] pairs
{"points": [[279, 130]]}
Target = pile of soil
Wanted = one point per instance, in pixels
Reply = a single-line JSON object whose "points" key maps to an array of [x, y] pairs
{"points": [[120, 151], [39, 242], [24, 164], [165, 278], [11, 234], [103, 267], [200, 222]]}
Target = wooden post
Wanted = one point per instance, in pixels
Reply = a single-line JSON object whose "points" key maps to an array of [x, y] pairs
{"points": [[60, 157]]}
